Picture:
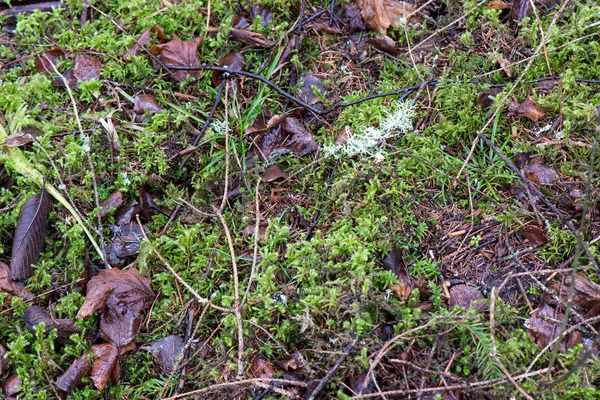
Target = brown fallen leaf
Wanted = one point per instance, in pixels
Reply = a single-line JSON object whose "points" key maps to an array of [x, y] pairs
{"points": [[137, 47], [147, 205], [13, 385], [121, 297], [106, 365], [546, 87], [522, 9], [86, 68], [385, 44], [80, 368], [356, 384], [289, 136], [250, 229], [179, 53], [126, 241], [394, 262], [295, 363], [233, 61], [113, 201], [166, 352], [581, 293], [534, 235], [9, 286], [160, 33], [145, 104], [381, 14], [261, 368], [353, 20], [498, 5], [264, 13], [126, 215], [273, 173], [35, 315], [486, 99], [545, 325], [528, 108], [54, 55], [306, 92], [4, 362], [465, 296], [29, 235], [505, 67], [534, 170], [26, 135]]}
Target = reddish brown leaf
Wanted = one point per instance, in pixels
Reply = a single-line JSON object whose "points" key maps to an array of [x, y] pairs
{"points": [[545, 325], [528, 108], [385, 44], [80, 368], [381, 14], [29, 235], [264, 13], [136, 48], [394, 262], [581, 293], [4, 362], [486, 99], [54, 55], [233, 61], [250, 229], [166, 352], [126, 215], [147, 205], [86, 68], [467, 297], [537, 173], [261, 369], [106, 365], [273, 173], [113, 201], [310, 83], [121, 296], [497, 5], [534, 234], [9, 286], [290, 136], [13, 385], [295, 363], [26, 135], [178, 53], [35, 315], [160, 33], [353, 20], [144, 104], [546, 87], [251, 38]]}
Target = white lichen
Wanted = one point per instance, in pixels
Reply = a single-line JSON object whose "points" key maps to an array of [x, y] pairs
{"points": [[368, 140]]}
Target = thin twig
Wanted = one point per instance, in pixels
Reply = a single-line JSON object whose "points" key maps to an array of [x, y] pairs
{"points": [[229, 385], [317, 391], [256, 235], [227, 155]]}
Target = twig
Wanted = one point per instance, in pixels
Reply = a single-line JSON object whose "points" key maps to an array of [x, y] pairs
{"points": [[227, 155], [318, 215], [317, 391], [256, 234], [229, 385]]}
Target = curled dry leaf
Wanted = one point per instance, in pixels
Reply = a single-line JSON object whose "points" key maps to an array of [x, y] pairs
{"points": [[179, 53], [137, 47], [121, 296], [113, 201], [54, 55], [9, 286], [26, 135], [498, 5], [289, 136], [467, 297], [534, 170], [106, 365], [381, 14], [394, 262], [534, 235], [80, 368], [166, 352], [29, 235], [233, 61], [545, 325], [581, 292], [273, 173], [261, 368], [251, 38], [528, 108], [35, 315]]}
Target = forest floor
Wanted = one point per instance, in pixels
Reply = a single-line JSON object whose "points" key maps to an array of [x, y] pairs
{"points": [[285, 199]]}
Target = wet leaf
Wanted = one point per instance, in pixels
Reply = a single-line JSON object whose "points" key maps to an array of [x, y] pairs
{"points": [[26, 135], [353, 19], [310, 83], [54, 55], [295, 363], [80, 368], [381, 14], [534, 170], [13, 385], [289, 136], [545, 325], [145, 104], [29, 235], [250, 229], [528, 108], [261, 368], [4, 362], [106, 365], [9, 286], [534, 234], [251, 38], [394, 262], [233, 61], [126, 240], [35, 315], [126, 215], [121, 297], [486, 99], [179, 53], [385, 44], [166, 352], [113, 201], [137, 47], [273, 173], [264, 13], [467, 297], [522, 9], [584, 292], [86, 68], [147, 205], [546, 87]]}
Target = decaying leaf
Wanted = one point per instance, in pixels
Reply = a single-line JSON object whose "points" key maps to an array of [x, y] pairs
{"points": [[273, 173], [121, 296], [4, 362], [233, 61], [385, 44], [86, 68], [545, 87], [145, 103], [356, 384], [353, 20], [522, 9], [35, 315], [534, 235], [26, 135], [534, 170], [179, 53], [465, 296], [54, 55], [498, 5], [147, 205], [106, 365], [136, 48], [261, 368], [545, 325], [113, 201], [13, 385], [250, 229], [581, 292], [528, 108], [264, 13], [289, 136], [381, 14], [486, 99], [166, 352], [126, 241], [29, 235], [394, 262], [126, 215], [9, 286], [80, 368], [295, 363], [306, 92]]}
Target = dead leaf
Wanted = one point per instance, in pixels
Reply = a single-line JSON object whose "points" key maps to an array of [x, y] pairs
{"points": [[522, 9], [534, 235], [86, 68], [295, 363], [9, 286], [381, 14], [353, 20], [498, 5], [179, 53], [261, 368], [545, 87], [534, 170], [584, 292], [306, 92], [251, 38], [264, 13], [4, 362], [126, 241], [323, 27], [26, 135], [160, 33], [147, 206], [394, 262], [121, 297], [137, 47], [250, 229], [126, 215], [289, 136], [29, 235], [233, 61], [145, 104], [528, 108], [113, 201], [545, 325], [467, 297], [54, 55], [505, 66], [106, 364], [356, 383], [486, 99], [273, 173], [385, 44], [166, 352], [35, 315], [80, 368], [13, 385]]}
